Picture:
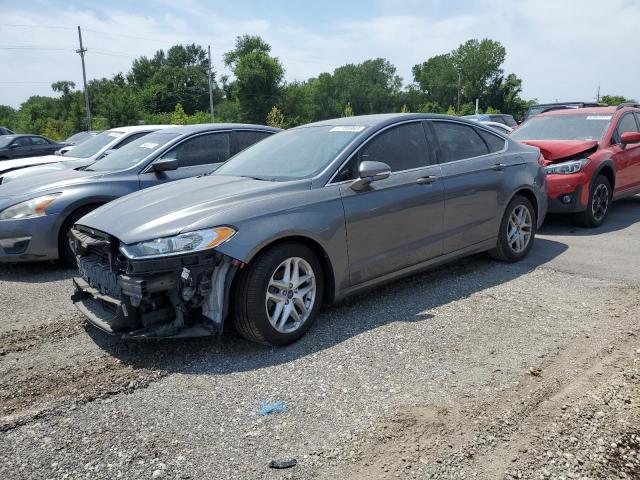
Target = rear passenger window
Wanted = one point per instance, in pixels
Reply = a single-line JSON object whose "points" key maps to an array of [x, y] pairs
{"points": [[202, 150], [130, 139], [38, 141], [246, 138], [458, 141], [494, 142]]}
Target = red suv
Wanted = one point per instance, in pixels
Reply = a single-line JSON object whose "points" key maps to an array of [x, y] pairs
{"points": [[591, 156]]}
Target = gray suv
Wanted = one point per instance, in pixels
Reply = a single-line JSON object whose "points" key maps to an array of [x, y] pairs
{"points": [[37, 212], [306, 217]]}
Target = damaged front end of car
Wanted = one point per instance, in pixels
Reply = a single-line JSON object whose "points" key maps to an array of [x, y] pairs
{"points": [[183, 295]]}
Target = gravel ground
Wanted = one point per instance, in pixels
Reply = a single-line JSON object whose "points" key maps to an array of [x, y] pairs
{"points": [[475, 370]]}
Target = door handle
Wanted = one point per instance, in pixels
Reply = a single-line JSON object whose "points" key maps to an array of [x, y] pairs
{"points": [[499, 166], [426, 180]]}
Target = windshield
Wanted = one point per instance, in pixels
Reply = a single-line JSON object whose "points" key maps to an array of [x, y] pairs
{"points": [[94, 145], [563, 127], [132, 153], [78, 137], [292, 154], [4, 141]]}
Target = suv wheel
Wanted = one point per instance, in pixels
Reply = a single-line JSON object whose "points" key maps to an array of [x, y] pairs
{"points": [[517, 231], [599, 202], [278, 296]]}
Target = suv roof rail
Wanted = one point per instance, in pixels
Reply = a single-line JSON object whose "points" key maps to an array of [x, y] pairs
{"points": [[628, 104]]}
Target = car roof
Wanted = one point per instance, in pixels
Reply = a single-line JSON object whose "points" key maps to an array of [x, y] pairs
{"points": [[138, 128], [381, 119], [207, 127], [580, 111]]}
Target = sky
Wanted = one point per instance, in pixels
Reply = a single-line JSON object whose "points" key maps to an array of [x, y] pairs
{"points": [[561, 49]]}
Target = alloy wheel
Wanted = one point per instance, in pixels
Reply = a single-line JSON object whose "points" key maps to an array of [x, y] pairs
{"points": [[600, 202], [291, 295], [519, 229]]}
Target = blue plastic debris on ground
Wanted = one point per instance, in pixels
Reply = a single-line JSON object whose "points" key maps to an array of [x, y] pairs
{"points": [[277, 407]]}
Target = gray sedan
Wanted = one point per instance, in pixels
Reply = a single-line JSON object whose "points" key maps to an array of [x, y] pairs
{"points": [[303, 218], [37, 212]]}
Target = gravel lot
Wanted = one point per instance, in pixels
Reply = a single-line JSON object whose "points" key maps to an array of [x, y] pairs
{"points": [[474, 370]]}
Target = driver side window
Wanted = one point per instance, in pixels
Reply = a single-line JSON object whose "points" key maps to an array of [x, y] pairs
{"points": [[626, 124], [201, 150]]}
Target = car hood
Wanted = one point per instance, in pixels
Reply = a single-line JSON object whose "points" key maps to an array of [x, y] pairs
{"points": [[553, 150], [46, 168], [183, 206], [8, 165], [47, 183]]}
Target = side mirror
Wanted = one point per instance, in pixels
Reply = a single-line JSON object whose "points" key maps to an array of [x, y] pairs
{"points": [[629, 137], [165, 164], [370, 172]]}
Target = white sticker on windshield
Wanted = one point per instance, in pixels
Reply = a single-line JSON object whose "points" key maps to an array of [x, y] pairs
{"points": [[347, 129], [599, 117], [149, 145], [114, 134]]}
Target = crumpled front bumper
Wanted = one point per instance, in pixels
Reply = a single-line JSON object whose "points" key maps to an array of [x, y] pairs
{"points": [[176, 297]]}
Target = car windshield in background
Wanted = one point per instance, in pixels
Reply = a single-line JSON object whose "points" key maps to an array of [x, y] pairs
{"points": [[94, 145], [293, 154], [131, 154], [563, 127], [5, 141], [78, 137]]}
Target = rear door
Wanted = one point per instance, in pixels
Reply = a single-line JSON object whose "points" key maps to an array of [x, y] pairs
{"points": [[396, 222], [199, 154], [473, 173], [627, 157], [40, 146]]}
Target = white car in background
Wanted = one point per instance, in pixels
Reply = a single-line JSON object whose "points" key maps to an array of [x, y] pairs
{"points": [[76, 139], [82, 155]]}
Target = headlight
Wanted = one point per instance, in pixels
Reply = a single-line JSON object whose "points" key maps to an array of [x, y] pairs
{"points": [[566, 168], [36, 207], [179, 244]]}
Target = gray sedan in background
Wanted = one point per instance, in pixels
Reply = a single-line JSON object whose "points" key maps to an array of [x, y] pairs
{"points": [[37, 212], [306, 217]]}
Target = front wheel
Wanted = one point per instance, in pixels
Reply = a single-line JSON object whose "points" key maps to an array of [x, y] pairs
{"points": [[599, 202], [278, 296], [517, 231]]}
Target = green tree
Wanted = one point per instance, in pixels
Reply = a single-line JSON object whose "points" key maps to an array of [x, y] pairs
{"points": [[615, 99], [258, 77], [8, 117], [438, 78], [179, 117], [348, 111], [478, 63], [275, 118]]}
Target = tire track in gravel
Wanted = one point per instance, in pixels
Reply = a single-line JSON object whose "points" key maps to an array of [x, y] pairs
{"points": [[489, 437]]}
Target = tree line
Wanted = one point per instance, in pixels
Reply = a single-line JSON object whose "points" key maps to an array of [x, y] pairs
{"points": [[172, 87]]}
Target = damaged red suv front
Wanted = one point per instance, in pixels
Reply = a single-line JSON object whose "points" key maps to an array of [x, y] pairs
{"points": [[591, 157]]}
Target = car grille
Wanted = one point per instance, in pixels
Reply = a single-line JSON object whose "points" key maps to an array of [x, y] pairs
{"points": [[96, 261]]}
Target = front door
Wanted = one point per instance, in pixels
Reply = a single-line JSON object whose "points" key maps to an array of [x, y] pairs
{"points": [[626, 157], [396, 222]]}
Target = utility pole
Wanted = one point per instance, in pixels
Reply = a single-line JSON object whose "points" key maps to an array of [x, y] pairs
{"points": [[459, 86], [210, 85], [82, 51], [598, 95]]}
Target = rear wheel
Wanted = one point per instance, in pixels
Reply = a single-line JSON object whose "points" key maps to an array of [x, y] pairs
{"points": [[66, 248], [599, 203], [517, 231], [278, 296]]}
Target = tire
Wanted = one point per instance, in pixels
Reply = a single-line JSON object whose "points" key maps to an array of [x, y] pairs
{"points": [[514, 245], [65, 252], [252, 310], [599, 205]]}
